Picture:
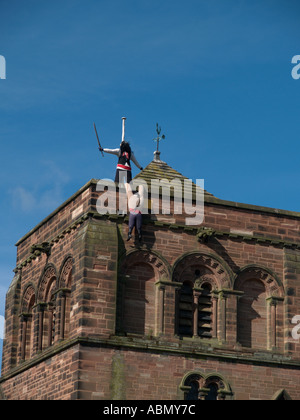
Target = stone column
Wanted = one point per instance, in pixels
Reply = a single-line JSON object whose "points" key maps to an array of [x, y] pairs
{"points": [[196, 294], [63, 301], [51, 309], [40, 307], [60, 312], [214, 316], [222, 394], [36, 324], [203, 393], [177, 298], [222, 316], [159, 330], [24, 322], [272, 322]]}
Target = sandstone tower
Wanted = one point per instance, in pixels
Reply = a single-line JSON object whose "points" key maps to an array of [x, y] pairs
{"points": [[193, 312]]}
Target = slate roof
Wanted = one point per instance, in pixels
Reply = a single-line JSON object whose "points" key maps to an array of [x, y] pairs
{"points": [[158, 169]]}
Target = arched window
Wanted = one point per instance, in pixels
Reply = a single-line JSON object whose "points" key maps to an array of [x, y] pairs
{"points": [[47, 308], [202, 277], [259, 310], [65, 283], [193, 393], [197, 386], [50, 314], [140, 307], [282, 395], [252, 316], [196, 313], [139, 300], [212, 393], [27, 335]]}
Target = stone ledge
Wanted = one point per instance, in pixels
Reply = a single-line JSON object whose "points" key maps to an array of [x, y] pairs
{"points": [[198, 232], [155, 345], [210, 200]]}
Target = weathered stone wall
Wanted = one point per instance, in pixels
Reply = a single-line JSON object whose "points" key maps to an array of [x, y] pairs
{"points": [[122, 303]]}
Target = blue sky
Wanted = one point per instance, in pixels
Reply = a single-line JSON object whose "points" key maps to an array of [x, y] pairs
{"points": [[215, 74]]}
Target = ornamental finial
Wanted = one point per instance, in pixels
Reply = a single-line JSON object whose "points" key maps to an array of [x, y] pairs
{"points": [[159, 138]]}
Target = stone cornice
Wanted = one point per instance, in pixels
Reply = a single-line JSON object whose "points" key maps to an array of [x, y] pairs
{"points": [[209, 200], [154, 345], [212, 233], [263, 240]]}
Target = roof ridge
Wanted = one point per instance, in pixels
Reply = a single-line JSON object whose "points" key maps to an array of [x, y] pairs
{"points": [[157, 169]]}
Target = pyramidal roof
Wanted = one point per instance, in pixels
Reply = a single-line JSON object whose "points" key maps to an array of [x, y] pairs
{"points": [[158, 169]]}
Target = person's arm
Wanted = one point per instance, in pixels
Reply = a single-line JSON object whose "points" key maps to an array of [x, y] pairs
{"points": [[135, 161], [142, 196], [112, 151], [128, 191]]}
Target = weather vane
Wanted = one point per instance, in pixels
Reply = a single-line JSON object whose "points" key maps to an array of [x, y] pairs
{"points": [[159, 138]]}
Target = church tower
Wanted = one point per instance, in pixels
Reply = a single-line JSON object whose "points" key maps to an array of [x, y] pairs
{"points": [[191, 312]]}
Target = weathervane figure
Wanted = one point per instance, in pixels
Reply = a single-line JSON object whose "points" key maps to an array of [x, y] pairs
{"points": [[159, 138]]}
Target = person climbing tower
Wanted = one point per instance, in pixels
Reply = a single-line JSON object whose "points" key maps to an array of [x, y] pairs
{"points": [[125, 155], [136, 205]]}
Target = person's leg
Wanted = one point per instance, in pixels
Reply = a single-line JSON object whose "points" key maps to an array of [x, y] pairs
{"points": [[122, 177], [131, 225], [138, 224], [129, 177], [131, 218]]}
